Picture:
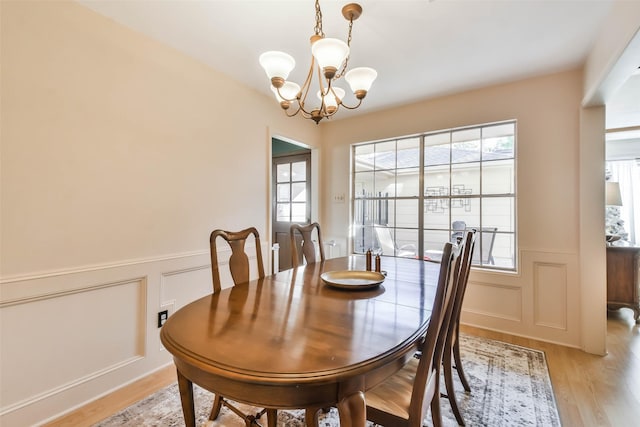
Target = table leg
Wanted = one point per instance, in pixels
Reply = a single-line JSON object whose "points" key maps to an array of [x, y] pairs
{"points": [[353, 410], [186, 397]]}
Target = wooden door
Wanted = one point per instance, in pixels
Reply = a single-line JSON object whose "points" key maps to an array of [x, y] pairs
{"points": [[291, 183]]}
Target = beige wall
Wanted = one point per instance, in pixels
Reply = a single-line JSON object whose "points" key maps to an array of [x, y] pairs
{"points": [[119, 156], [117, 147]]}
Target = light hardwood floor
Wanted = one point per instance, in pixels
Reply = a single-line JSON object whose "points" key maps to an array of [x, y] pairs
{"points": [[590, 390]]}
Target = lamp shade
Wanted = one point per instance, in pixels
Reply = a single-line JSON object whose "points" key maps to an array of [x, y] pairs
{"points": [[289, 91], [613, 194], [330, 100], [361, 78], [277, 64], [330, 53]]}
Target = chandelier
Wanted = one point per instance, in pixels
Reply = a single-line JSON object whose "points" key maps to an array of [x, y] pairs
{"points": [[329, 58]]}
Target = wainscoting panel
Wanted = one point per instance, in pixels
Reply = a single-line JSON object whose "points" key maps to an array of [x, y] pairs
{"points": [[550, 295], [540, 301], [74, 336], [499, 301], [181, 287], [70, 336]]}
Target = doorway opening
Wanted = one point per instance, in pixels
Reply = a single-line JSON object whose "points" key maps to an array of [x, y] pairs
{"points": [[290, 194]]}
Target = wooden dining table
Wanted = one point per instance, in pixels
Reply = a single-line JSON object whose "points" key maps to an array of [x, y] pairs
{"points": [[291, 341]]}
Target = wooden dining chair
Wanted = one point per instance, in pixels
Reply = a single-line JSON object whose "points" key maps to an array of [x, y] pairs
{"points": [[308, 246], [240, 272], [451, 351], [403, 399]]}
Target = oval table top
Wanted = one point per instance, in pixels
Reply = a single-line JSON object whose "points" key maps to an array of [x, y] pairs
{"points": [[292, 329]]}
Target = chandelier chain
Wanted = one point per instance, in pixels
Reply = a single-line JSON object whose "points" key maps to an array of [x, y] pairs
{"points": [[346, 61], [318, 28]]}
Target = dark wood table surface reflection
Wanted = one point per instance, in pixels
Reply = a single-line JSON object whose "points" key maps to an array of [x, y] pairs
{"points": [[290, 341]]}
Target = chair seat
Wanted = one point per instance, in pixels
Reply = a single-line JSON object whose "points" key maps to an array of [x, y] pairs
{"points": [[399, 385]]}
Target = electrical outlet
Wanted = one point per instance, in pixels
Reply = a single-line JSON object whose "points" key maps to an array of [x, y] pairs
{"points": [[162, 317], [338, 198]]}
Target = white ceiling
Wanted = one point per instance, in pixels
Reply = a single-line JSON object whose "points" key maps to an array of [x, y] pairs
{"points": [[420, 48]]}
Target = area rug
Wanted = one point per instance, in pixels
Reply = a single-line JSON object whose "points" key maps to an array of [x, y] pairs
{"points": [[510, 386]]}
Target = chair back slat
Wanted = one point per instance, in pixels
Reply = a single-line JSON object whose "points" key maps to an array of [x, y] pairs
{"points": [[238, 261], [308, 251]]}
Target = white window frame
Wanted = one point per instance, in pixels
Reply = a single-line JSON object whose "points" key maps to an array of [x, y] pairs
{"points": [[364, 232]]}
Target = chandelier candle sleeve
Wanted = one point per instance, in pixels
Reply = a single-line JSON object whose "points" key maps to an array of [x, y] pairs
{"points": [[329, 59]]}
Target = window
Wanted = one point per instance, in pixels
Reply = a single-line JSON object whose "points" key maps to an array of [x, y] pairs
{"points": [[411, 195]]}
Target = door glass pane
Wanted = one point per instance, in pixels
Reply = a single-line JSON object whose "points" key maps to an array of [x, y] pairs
{"points": [[283, 172], [298, 212], [283, 194], [299, 192], [282, 212], [299, 171]]}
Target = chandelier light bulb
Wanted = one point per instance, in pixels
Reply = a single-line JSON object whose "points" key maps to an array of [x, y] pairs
{"points": [[360, 80], [277, 65], [330, 54]]}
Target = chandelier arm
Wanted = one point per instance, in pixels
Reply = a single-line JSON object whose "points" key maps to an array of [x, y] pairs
{"points": [[305, 114], [286, 99], [351, 108], [329, 115], [306, 86], [323, 106], [286, 112]]}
